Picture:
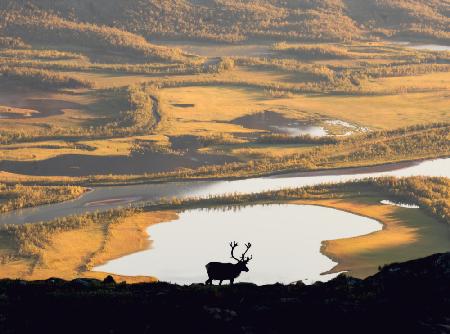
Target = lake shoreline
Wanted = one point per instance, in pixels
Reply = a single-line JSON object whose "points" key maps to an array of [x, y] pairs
{"points": [[361, 256], [139, 231], [396, 232], [73, 254], [221, 226], [416, 229]]}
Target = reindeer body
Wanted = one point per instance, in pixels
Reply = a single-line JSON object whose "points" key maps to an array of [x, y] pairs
{"points": [[223, 271], [227, 271]]}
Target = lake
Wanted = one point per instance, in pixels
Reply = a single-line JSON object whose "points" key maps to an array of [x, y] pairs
{"points": [[286, 241]]}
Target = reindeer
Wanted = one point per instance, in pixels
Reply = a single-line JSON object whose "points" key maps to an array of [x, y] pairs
{"points": [[228, 271]]}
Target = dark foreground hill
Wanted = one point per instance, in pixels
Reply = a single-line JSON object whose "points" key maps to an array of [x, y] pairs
{"points": [[411, 297]]}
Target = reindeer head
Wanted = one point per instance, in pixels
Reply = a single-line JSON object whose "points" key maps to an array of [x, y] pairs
{"points": [[241, 262]]}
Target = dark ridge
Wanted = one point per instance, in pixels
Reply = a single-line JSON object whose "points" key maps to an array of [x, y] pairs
{"points": [[410, 297]]}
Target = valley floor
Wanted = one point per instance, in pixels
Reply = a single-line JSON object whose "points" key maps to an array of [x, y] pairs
{"points": [[74, 251]]}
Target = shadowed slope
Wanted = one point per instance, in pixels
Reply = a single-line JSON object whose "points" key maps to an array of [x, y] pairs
{"points": [[409, 297]]}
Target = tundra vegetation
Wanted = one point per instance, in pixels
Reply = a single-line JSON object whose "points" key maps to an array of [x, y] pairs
{"points": [[72, 83], [13, 197], [109, 83]]}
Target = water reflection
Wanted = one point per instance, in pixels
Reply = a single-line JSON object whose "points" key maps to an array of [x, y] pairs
{"points": [[432, 47], [104, 198], [286, 241], [417, 46], [297, 129], [402, 205], [278, 123]]}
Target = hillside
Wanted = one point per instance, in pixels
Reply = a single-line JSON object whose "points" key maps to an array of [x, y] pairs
{"points": [[232, 21], [43, 27], [410, 297]]}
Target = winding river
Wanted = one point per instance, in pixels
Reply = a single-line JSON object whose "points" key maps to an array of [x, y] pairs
{"points": [[104, 198]]}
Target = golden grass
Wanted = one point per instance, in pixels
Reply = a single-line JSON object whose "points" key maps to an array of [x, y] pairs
{"points": [[20, 111], [407, 234], [72, 254], [75, 116], [214, 106], [13, 266], [435, 81], [39, 151], [67, 252], [18, 178], [53, 148], [130, 236], [378, 112], [246, 152], [105, 80]]}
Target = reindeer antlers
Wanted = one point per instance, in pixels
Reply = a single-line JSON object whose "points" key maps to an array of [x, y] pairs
{"points": [[243, 258], [233, 245]]}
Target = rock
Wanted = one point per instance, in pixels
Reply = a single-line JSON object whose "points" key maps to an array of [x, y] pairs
{"points": [[86, 282], [109, 280], [220, 314], [55, 280]]}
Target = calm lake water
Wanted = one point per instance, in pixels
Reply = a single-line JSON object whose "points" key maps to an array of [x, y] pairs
{"points": [[104, 198], [278, 123], [432, 47], [286, 243], [294, 129]]}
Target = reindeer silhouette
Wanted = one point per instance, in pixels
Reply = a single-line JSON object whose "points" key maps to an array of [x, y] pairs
{"points": [[228, 271]]}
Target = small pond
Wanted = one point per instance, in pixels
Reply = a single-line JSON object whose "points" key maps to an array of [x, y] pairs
{"points": [[402, 205], [432, 47], [277, 123]]}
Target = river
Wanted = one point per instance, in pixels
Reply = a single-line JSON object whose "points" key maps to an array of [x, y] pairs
{"points": [[104, 198]]}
